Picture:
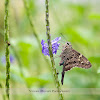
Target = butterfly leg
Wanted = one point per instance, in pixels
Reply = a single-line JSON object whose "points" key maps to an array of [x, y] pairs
{"points": [[63, 72], [56, 56], [61, 63]]}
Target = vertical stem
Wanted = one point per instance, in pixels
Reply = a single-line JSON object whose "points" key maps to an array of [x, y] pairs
{"points": [[6, 32], [50, 50], [1, 87], [33, 29], [18, 60], [30, 20]]}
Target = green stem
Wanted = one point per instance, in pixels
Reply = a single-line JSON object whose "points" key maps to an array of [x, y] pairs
{"points": [[18, 60], [30, 20], [6, 32], [16, 56], [35, 34], [33, 29], [3, 94], [50, 50]]}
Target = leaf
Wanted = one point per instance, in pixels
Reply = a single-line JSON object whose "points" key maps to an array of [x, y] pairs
{"points": [[94, 16], [33, 80], [94, 59]]}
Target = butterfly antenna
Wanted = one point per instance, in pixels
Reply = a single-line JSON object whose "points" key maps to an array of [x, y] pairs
{"points": [[57, 56], [63, 36]]}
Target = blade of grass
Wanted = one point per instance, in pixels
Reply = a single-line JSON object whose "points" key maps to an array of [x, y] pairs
{"points": [[6, 33], [50, 50], [3, 96], [33, 29], [35, 34]]}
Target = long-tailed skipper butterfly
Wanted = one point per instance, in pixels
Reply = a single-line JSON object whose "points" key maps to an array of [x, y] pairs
{"points": [[71, 58]]}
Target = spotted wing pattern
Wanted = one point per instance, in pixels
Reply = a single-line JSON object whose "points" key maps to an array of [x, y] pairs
{"points": [[76, 60], [71, 58]]}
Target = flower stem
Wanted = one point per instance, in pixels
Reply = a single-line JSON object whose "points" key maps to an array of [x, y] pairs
{"points": [[30, 20], [33, 29], [6, 32], [50, 50]]}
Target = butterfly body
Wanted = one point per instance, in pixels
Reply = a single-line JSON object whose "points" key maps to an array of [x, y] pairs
{"points": [[71, 58]]}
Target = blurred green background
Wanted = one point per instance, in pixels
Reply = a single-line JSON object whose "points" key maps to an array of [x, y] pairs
{"points": [[78, 21]]}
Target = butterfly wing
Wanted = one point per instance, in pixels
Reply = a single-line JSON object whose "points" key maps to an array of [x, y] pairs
{"points": [[71, 58], [74, 59], [77, 60]]}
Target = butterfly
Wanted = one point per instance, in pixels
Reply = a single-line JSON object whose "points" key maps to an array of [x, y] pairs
{"points": [[71, 58]]}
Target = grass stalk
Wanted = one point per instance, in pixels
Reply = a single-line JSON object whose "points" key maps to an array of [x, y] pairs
{"points": [[33, 29], [50, 51], [31, 23], [6, 33], [3, 96]]}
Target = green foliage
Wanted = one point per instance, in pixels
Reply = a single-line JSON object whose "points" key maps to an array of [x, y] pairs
{"points": [[80, 25], [33, 80]]}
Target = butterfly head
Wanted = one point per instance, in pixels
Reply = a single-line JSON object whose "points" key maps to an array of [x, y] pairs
{"points": [[67, 45]]}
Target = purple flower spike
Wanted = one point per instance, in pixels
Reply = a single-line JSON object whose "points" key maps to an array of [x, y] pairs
{"points": [[11, 58], [55, 46], [45, 50], [3, 59], [56, 40]]}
